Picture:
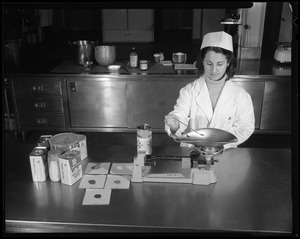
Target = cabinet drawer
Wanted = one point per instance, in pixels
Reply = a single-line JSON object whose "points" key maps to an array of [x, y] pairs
{"points": [[37, 87], [42, 121], [39, 105], [128, 35]]}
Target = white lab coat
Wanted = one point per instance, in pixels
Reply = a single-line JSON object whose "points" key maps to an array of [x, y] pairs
{"points": [[233, 112]]}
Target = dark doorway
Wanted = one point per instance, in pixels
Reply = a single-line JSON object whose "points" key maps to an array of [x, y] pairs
{"points": [[271, 29]]}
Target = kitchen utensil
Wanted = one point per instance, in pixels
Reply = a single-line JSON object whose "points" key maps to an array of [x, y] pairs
{"points": [[114, 67], [283, 52], [84, 51], [179, 57], [105, 55], [87, 66], [208, 137], [188, 127]]}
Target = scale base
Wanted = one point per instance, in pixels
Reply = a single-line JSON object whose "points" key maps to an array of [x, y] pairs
{"points": [[173, 172], [203, 177]]}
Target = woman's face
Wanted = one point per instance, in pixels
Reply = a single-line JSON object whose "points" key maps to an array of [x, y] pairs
{"points": [[215, 65]]}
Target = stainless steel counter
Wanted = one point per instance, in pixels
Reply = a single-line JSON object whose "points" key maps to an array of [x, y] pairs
{"points": [[252, 194], [245, 67]]}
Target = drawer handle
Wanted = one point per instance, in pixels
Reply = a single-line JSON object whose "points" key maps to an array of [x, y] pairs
{"points": [[37, 88], [127, 34], [40, 105], [42, 121], [72, 86]]}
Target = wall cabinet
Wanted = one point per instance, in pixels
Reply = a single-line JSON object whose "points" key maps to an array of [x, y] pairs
{"points": [[83, 19], [128, 25]]}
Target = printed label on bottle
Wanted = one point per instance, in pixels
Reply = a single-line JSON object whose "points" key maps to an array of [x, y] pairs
{"points": [[133, 60]]}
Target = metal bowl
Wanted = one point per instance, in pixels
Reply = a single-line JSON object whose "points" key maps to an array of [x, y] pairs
{"points": [[105, 55], [208, 137]]}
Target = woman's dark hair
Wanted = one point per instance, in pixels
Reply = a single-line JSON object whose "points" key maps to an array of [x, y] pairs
{"points": [[230, 71]]}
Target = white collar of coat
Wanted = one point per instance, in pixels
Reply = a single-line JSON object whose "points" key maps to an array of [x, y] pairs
{"points": [[203, 98]]}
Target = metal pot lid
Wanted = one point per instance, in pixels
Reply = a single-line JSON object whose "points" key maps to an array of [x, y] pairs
{"points": [[64, 139], [208, 137], [284, 44], [105, 46]]}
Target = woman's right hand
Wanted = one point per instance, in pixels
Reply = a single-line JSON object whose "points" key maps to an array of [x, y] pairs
{"points": [[172, 122]]}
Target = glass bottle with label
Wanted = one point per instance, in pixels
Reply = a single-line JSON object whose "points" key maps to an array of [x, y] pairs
{"points": [[133, 58]]}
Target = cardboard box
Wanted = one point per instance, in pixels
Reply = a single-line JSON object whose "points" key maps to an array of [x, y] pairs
{"points": [[39, 164], [70, 166]]}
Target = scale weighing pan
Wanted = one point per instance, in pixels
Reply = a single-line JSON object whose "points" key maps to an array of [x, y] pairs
{"points": [[208, 137]]}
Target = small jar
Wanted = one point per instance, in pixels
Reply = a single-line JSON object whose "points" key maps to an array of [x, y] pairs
{"points": [[143, 65], [161, 55], [157, 57]]}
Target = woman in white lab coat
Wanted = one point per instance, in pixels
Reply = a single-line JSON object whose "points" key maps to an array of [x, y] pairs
{"points": [[213, 100]]}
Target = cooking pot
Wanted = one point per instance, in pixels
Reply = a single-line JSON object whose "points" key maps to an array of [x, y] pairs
{"points": [[283, 52], [84, 51], [105, 55], [179, 58]]}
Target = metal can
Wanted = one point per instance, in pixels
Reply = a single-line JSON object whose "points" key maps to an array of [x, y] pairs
{"points": [[39, 164], [143, 65], [44, 141], [53, 164], [156, 57], [82, 146], [144, 139]]}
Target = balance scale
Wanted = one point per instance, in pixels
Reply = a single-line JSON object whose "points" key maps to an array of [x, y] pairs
{"points": [[197, 168]]}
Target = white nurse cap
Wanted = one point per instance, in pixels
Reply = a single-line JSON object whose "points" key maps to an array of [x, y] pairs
{"points": [[218, 39]]}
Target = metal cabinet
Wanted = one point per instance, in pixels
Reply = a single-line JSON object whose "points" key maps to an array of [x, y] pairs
{"points": [[148, 101], [96, 102], [256, 91], [39, 102], [276, 107], [128, 25], [121, 103]]}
